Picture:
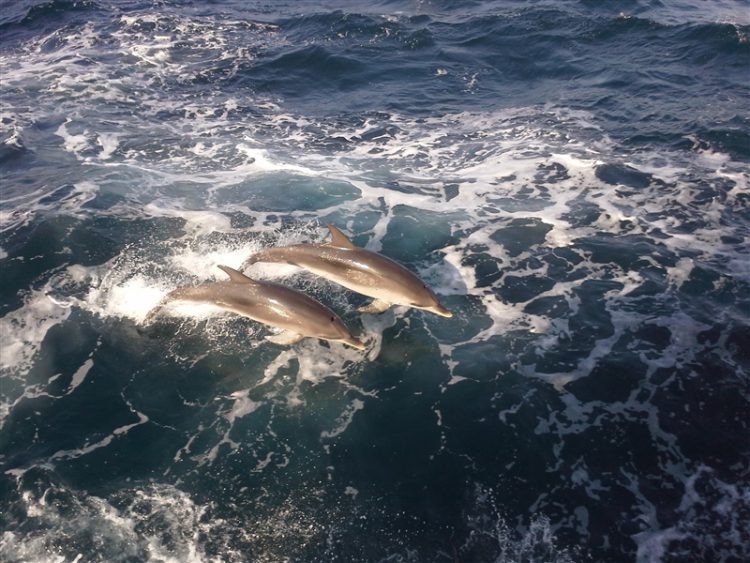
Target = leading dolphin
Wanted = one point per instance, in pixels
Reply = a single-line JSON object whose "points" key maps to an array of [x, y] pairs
{"points": [[360, 270], [269, 303]]}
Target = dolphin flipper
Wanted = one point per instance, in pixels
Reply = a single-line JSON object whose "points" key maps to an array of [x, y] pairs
{"points": [[285, 338], [375, 307]]}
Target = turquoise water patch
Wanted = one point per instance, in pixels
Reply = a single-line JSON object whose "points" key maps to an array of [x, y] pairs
{"points": [[282, 192], [414, 233]]}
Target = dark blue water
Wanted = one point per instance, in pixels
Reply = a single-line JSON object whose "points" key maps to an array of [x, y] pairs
{"points": [[570, 176]]}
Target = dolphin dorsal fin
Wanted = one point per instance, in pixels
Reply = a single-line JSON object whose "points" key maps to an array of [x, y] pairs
{"points": [[339, 239], [236, 276]]}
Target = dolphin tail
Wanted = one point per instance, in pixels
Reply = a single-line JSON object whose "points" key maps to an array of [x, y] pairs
{"points": [[257, 257], [179, 293], [249, 262], [154, 312], [270, 255]]}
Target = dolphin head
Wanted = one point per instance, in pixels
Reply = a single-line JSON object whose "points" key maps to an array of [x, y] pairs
{"points": [[337, 331], [438, 309], [354, 343], [424, 298]]}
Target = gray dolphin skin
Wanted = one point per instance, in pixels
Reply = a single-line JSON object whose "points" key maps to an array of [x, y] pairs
{"points": [[360, 270], [269, 303]]}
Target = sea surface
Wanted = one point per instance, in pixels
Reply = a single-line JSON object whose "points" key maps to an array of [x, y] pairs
{"points": [[571, 177]]}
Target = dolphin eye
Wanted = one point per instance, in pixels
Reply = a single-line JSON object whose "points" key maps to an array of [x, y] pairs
{"points": [[333, 319]]}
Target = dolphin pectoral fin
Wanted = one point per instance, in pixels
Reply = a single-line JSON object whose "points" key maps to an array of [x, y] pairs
{"points": [[339, 239], [285, 338], [375, 307], [235, 276]]}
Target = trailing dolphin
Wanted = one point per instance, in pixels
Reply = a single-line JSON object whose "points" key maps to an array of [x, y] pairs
{"points": [[360, 270], [269, 303]]}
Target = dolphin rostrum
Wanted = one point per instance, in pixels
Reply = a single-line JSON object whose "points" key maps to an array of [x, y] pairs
{"points": [[360, 270], [269, 303]]}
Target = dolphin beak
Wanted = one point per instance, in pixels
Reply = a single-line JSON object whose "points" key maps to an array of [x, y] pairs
{"points": [[354, 343], [442, 311]]}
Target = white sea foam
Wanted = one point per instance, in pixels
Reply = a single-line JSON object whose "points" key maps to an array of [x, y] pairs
{"points": [[710, 510], [204, 263], [680, 273], [90, 446], [344, 420], [61, 200], [74, 143], [23, 331], [684, 12], [242, 406], [117, 532], [197, 222], [133, 299], [109, 143], [80, 375]]}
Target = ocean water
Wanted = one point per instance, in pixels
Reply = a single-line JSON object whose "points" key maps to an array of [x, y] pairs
{"points": [[571, 177]]}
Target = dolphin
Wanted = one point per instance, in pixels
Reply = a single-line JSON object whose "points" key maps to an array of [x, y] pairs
{"points": [[268, 303], [360, 270]]}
